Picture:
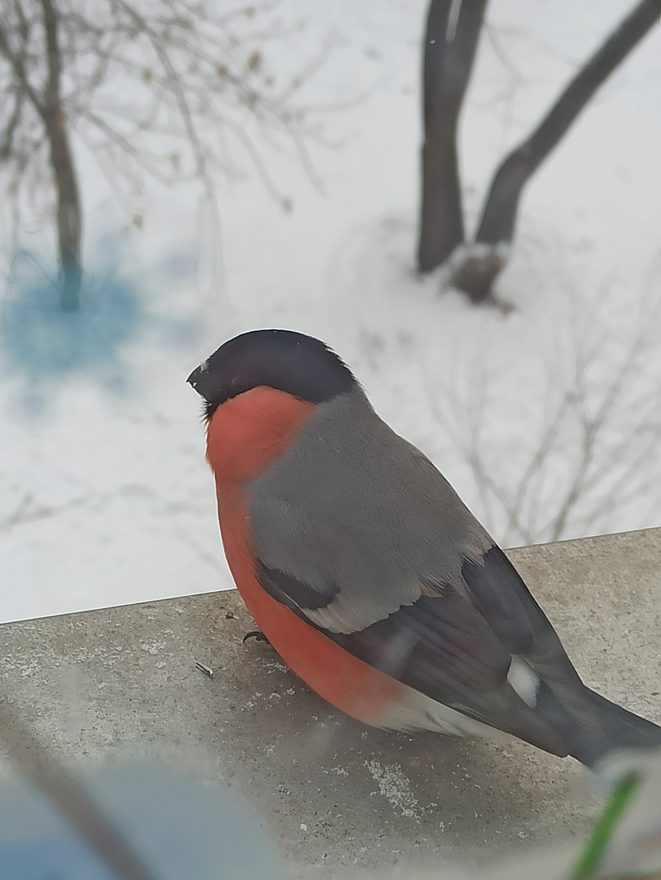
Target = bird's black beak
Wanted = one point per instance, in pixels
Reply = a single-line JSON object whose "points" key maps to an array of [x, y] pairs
{"points": [[199, 378]]}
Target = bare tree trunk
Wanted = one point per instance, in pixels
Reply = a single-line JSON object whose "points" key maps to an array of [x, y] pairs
{"points": [[451, 37], [69, 216], [478, 273]]}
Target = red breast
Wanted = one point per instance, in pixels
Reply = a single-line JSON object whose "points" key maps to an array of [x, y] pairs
{"points": [[245, 436]]}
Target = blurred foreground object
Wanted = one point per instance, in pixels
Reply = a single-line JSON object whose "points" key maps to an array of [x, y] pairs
{"points": [[132, 822], [145, 822], [178, 827], [183, 828], [625, 843]]}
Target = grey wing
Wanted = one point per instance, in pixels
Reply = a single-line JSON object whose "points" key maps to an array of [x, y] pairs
{"points": [[397, 571], [363, 509], [455, 650]]}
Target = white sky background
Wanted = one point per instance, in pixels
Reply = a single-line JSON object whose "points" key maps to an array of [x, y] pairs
{"points": [[105, 497]]}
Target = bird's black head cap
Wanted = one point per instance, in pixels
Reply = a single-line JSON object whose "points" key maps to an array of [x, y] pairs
{"points": [[283, 359]]}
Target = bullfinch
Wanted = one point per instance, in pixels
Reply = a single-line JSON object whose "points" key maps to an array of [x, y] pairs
{"points": [[366, 572]]}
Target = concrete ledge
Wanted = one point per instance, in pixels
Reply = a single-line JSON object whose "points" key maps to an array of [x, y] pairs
{"points": [[122, 682]]}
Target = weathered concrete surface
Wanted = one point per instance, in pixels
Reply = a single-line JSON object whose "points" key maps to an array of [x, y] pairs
{"points": [[335, 794]]}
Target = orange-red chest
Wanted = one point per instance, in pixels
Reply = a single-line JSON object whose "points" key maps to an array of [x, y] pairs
{"points": [[243, 440]]}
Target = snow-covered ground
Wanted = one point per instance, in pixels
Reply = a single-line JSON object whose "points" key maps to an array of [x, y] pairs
{"points": [[105, 497]]}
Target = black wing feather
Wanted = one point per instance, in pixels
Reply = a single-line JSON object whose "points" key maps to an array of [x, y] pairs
{"points": [[291, 591], [441, 645]]}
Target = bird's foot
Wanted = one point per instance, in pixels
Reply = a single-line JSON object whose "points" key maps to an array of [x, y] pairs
{"points": [[257, 635]]}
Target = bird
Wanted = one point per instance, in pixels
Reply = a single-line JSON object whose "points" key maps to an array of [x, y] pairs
{"points": [[366, 572]]}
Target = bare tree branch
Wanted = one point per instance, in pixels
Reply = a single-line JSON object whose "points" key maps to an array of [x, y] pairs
{"points": [[595, 450], [175, 84], [501, 207], [191, 79], [18, 67], [7, 141], [477, 273]]}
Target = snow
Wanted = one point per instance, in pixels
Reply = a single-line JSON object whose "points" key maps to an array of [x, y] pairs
{"points": [[395, 787], [105, 497]]}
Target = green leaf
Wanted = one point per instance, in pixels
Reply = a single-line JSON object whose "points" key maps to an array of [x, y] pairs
{"points": [[604, 829]]}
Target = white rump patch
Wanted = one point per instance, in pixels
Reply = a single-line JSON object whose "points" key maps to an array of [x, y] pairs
{"points": [[415, 711], [524, 681]]}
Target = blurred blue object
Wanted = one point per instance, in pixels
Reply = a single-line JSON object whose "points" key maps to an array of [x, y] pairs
{"points": [[43, 345], [178, 827]]}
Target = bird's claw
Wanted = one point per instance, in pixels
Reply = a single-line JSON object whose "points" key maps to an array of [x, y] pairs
{"points": [[257, 635]]}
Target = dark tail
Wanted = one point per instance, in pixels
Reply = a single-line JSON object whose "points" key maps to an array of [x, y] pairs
{"points": [[606, 727]]}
